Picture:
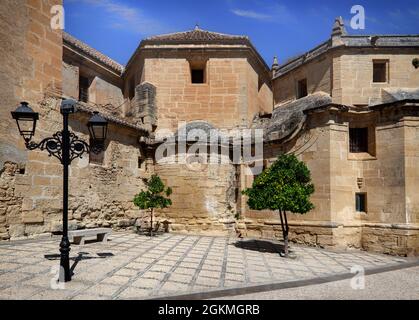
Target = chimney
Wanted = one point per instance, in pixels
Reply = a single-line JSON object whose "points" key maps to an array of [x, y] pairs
{"points": [[338, 31]]}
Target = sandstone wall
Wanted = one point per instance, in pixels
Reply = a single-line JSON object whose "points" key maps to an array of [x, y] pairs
{"points": [[347, 74], [353, 74], [107, 95], [218, 101], [259, 96], [10, 202], [411, 161], [204, 197], [387, 176], [30, 65], [229, 97], [265, 99], [70, 81], [102, 92], [318, 73], [313, 147]]}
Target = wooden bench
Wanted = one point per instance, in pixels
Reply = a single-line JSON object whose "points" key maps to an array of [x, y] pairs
{"points": [[78, 236]]}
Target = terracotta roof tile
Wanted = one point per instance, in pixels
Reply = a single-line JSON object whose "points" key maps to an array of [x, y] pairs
{"points": [[196, 35]]}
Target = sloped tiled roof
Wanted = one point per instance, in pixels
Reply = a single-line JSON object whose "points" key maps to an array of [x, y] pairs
{"points": [[288, 117], [196, 35], [92, 53]]}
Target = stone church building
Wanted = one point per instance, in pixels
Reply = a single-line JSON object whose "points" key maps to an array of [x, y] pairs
{"points": [[349, 108]]}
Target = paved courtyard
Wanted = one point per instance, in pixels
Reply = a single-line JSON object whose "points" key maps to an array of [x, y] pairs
{"points": [[130, 266]]}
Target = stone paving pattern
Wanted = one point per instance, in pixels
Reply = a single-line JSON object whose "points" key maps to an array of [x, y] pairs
{"points": [[131, 266]]}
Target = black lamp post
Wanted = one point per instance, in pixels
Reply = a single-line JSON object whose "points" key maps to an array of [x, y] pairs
{"points": [[65, 146]]}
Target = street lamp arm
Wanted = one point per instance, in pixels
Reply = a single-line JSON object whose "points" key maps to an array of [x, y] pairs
{"points": [[54, 145], [78, 147]]}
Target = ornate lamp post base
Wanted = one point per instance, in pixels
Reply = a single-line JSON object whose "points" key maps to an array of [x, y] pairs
{"points": [[65, 271]]}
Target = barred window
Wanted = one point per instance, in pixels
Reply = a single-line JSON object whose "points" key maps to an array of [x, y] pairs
{"points": [[358, 140]]}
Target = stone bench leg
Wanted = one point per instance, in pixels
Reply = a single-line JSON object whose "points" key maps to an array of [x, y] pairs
{"points": [[102, 237], [79, 240]]}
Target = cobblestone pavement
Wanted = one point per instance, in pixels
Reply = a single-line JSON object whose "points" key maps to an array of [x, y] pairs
{"points": [[131, 266]]}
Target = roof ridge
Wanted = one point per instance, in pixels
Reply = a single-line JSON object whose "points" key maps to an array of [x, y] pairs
{"points": [[164, 35]]}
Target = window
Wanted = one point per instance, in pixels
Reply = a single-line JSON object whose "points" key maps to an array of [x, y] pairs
{"points": [[301, 88], [198, 73], [84, 84], [361, 202], [358, 140], [380, 68], [197, 76]]}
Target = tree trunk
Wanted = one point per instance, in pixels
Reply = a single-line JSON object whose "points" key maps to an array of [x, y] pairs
{"points": [[151, 223], [286, 235], [285, 229]]}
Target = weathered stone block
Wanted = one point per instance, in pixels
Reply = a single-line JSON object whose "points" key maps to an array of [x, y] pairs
{"points": [[35, 229], [33, 217]]}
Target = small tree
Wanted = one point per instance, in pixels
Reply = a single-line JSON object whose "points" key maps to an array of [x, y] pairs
{"points": [[284, 186], [153, 197]]}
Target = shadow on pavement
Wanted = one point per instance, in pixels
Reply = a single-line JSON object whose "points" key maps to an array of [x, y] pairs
{"points": [[260, 246], [80, 256]]}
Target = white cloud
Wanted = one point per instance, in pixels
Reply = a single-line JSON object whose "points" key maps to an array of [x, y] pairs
{"points": [[126, 17], [277, 13], [251, 14], [396, 14]]}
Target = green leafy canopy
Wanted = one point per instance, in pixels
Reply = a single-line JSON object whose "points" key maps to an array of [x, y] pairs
{"points": [[154, 195], [285, 185]]}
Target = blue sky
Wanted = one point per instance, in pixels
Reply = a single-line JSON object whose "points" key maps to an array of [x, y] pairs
{"points": [[283, 28]]}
